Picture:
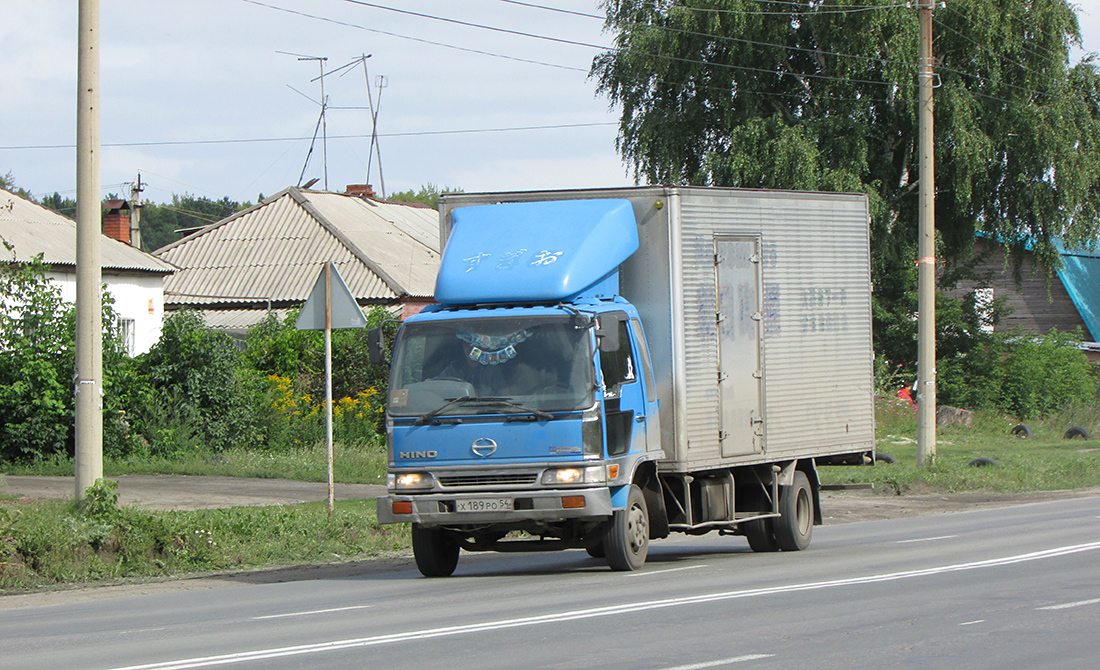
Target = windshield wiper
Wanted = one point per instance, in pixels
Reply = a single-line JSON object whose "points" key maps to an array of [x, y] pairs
{"points": [[483, 401]]}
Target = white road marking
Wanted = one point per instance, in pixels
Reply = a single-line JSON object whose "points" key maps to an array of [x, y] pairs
{"points": [[971, 623], [724, 661], [661, 572], [1066, 606], [334, 609], [927, 539], [596, 612]]}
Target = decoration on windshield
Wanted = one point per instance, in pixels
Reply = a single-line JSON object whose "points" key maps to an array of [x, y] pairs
{"points": [[492, 349]]}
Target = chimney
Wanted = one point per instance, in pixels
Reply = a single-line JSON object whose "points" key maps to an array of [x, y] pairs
{"points": [[359, 191], [116, 222]]}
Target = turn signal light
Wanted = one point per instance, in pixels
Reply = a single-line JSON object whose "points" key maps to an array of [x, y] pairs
{"points": [[402, 507], [613, 471], [572, 502]]}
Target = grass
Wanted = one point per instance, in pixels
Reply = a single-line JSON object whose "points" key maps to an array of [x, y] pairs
{"points": [[1046, 461], [48, 543]]}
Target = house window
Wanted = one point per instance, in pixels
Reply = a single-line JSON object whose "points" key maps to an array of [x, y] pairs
{"points": [[127, 329]]}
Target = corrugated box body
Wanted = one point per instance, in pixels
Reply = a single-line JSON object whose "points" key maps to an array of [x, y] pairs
{"points": [[757, 309]]}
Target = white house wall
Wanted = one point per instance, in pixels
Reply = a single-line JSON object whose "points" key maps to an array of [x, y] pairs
{"points": [[140, 299]]}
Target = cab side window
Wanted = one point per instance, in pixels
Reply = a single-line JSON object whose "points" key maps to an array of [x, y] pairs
{"points": [[618, 366]]}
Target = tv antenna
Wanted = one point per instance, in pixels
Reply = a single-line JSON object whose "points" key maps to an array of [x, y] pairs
{"points": [[375, 105], [321, 126]]}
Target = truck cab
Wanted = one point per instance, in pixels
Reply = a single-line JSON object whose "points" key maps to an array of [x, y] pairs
{"points": [[514, 414]]}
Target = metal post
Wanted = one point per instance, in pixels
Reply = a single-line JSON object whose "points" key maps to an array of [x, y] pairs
{"points": [[328, 385], [89, 330], [926, 252]]}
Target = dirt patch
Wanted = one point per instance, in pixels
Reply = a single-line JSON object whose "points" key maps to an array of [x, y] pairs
{"points": [[179, 492], [869, 505]]}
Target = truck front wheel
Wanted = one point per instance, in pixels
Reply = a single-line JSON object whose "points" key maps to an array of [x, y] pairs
{"points": [[626, 544], [435, 551], [795, 524]]}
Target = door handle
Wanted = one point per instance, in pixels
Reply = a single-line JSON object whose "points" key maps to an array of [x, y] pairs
{"points": [[640, 418]]}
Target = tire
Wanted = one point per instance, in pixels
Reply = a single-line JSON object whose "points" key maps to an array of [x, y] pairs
{"points": [[795, 525], [982, 462], [884, 458], [1076, 431], [435, 551], [1021, 431], [760, 535], [626, 544]]}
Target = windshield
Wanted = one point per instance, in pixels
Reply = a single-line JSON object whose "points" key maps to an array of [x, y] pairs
{"points": [[502, 365]]}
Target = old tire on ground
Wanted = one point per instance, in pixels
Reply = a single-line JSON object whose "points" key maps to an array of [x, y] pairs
{"points": [[1076, 431], [435, 551], [884, 457], [1021, 431], [982, 462], [626, 544], [795, 525], [760, 536]]}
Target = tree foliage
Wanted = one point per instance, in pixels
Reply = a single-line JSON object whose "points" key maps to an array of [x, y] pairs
{"points": [[427, 195], [822, 95], [163, 224]]}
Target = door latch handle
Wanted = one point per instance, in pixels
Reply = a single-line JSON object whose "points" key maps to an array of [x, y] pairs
{"points": [[640, 418]]}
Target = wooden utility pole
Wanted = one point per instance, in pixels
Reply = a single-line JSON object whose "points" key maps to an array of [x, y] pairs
{"points": [[88, 376], [135, 213], [926, 252]]}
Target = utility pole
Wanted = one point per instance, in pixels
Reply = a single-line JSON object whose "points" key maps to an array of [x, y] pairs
{"points": [[88, 376], [926, 251], [135, 212]]}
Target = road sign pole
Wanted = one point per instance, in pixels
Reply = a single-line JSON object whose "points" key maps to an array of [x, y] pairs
{"points": [[328, 386]]}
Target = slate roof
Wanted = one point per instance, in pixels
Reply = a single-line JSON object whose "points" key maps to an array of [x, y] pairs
{"points": [[33, 229], [273, 252]]}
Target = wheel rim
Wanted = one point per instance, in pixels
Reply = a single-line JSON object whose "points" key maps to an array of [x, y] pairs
{"points": [[636, 529], [802, 512]]}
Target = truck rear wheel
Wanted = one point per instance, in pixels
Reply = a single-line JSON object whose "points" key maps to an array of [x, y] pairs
{"points": [[760, 535], [795, 524], [626, 544], [435, 551]]}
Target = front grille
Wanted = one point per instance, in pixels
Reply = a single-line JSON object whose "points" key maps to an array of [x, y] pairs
{"points": [[522, 479]]}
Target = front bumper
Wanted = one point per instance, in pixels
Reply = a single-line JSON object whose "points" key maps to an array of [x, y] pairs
{"points": [[440, 509]]}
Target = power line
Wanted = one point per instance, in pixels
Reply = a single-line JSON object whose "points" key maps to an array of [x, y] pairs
{"points": [[412, 39], [258, 140]]}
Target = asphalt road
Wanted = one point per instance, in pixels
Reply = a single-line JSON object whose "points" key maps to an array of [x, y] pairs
{"points": [[1015, 587]]}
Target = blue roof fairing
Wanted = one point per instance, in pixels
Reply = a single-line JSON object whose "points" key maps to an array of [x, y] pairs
{"points": [[530, 252]]}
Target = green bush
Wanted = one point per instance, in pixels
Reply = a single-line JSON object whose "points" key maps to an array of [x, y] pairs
{"points": [[1027, 376], [1046, 374]]}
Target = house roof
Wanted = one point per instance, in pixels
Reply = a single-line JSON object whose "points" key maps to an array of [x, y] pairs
{"points": [[273, 252], [1080, 274], [33, 229]]}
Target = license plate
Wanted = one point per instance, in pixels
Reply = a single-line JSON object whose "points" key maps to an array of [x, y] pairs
{"points": [[484, 505]]}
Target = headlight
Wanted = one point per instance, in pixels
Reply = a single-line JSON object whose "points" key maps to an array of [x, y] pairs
{"points": [[593, 474], [412, 480]]}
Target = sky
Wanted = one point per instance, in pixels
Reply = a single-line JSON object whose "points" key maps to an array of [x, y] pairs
{"points": [[211, 97]]}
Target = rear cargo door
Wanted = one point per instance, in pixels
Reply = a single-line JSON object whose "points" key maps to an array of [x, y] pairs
{"points": [[737, 263]]}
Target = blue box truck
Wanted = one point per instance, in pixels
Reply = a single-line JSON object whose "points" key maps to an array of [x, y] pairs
{"points": [[605, 367]]}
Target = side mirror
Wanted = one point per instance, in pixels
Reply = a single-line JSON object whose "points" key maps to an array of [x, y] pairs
{"points": [[376, 346], [607, 332]]}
